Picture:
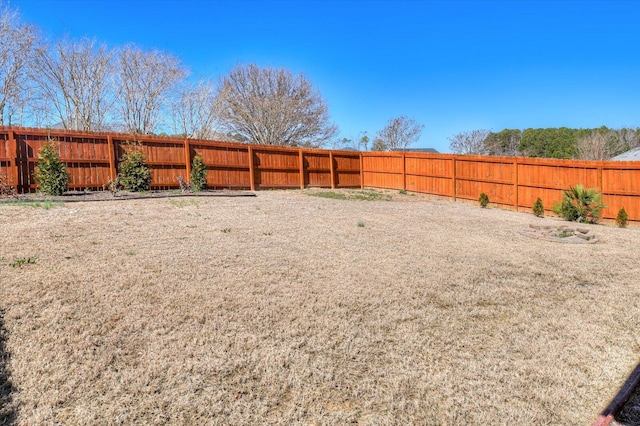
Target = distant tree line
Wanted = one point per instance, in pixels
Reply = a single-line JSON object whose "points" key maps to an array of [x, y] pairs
{"points": [[587, 144]]}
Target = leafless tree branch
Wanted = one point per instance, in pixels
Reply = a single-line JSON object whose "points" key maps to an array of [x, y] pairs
{"points": [[272, 106], [470, 142], [17, 41], [74, 79], [194, 111], [398, 134], [146, 80], [600, 145]]}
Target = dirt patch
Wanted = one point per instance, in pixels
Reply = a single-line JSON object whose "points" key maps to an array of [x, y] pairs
{"points": [[282, 309]]}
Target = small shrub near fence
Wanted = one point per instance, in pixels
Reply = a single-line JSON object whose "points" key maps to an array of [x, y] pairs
{"points": [[622, 219], [52, 176], [580, 204], [135, 175], [198, 174], [483, 200], [538, 208]]}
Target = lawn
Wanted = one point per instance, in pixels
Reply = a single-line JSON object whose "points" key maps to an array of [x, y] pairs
{"points": [[291, 309]]}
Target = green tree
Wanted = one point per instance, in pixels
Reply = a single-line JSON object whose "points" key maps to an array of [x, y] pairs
{"points": [[134, 172], [198, 174], [52, 176], [483, 199], [622, 219], [551, 142], [538, 208], [547, 142], [363, 143]]}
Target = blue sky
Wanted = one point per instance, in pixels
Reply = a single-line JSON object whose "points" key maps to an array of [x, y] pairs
{"points": [[453, 66]]}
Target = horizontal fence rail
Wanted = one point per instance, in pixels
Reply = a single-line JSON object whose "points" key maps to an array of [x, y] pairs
{"points": [[514, 182]]}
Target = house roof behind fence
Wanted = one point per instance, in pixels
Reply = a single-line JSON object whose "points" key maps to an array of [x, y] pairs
{"points": [[632, 155]]}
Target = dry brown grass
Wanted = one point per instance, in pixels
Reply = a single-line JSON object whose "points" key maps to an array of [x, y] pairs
{"points": [[433, 312]]}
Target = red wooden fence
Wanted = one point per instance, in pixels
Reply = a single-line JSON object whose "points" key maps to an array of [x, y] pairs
{"points": [[92, 159], [513, 182]]}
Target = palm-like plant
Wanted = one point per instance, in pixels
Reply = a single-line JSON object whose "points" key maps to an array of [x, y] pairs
{"points": [[580, 204]]}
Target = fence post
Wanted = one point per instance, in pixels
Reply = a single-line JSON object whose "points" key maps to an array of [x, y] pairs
{"points": [[361, 172], [454, 177], [600, 176], [252, 181], [13, 174], [516, 201], [301, 164], [404, 171], [333, 175], [187, 159], [112, 157]]}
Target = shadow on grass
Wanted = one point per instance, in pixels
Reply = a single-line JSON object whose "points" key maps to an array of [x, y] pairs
{"points": [[7, 408]]}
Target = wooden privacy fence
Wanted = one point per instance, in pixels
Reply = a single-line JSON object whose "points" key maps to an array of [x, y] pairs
{"points": [[93, 158], [514, 182]]}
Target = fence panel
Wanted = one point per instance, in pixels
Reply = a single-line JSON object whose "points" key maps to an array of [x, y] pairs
{"points": [[621, 188], [493, 176], [92, 158], [276, 168], [383, 170], [429, 174], [227, 165], [347, 169], [166, 159], [317, 169], [87, 160]]}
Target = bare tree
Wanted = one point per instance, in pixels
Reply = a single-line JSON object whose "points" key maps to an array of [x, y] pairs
{"points": [[75, 79], [17, 41], [470, 142], [272, 106], [628, 138], [145, 83], [379, 145], [504, 143], [399, 133], [194, 111], [601, 145]]}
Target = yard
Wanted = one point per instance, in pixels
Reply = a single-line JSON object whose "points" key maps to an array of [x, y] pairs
{"points": [[286, 308]]}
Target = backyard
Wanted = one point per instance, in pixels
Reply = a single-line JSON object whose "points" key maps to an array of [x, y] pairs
{"points": [[287, 308]]}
